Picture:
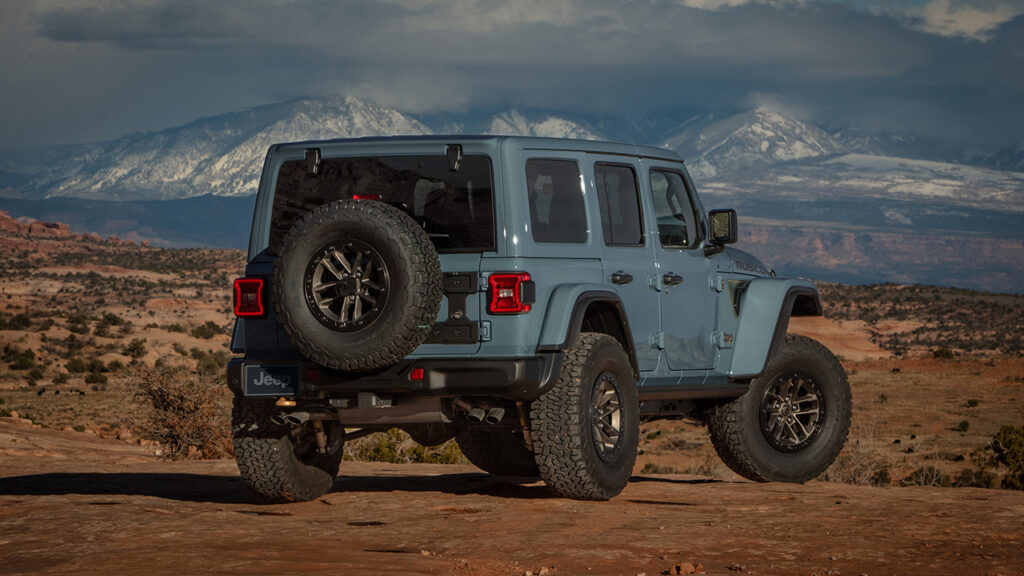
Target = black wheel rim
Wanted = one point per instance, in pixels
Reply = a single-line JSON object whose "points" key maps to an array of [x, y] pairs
{"points": [[606, 416], [347, 285], [792, 411]]}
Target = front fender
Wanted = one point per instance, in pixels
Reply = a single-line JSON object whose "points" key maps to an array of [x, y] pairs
{"points": [[765, 307]]}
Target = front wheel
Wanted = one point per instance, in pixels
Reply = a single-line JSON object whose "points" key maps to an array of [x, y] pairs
{"points": [[585, 428], [792, 422], [282, 463]]}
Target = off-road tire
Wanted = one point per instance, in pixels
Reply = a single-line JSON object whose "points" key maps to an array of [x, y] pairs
{"points": [[265, 453], [737, 432], [499, 451], [413, 295], [562, 420]]}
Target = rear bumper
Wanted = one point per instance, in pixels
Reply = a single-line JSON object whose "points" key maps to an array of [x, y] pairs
{"points": [[520, 378]]}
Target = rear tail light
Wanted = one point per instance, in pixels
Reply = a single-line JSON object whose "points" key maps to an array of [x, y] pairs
{"points": [[510, 293], [366, 196], [249, 297]]}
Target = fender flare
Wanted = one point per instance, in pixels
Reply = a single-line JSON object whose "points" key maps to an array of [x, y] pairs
{"points": [[765, 306], [567, 307]]}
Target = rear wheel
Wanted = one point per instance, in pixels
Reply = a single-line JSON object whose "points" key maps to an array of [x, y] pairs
{"points": [[792, 422], [282, 463], [585, 428], [499, 451]]}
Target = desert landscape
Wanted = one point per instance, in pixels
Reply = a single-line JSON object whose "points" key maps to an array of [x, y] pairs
{"points": [[107, 343]]}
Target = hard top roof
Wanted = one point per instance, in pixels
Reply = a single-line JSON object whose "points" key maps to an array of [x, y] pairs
{"points": [[522, 142]]}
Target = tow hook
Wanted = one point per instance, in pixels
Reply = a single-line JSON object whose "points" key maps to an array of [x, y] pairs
{"points": [[321, 436]]}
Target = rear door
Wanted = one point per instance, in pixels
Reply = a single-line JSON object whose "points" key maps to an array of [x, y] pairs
{"points": [[627, 256]]}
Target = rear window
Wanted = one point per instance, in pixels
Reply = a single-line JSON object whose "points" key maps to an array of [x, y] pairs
{"points": [[557, 212], [456, 209]]}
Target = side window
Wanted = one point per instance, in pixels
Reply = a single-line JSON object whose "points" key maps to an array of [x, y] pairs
{"points": [[677, 222], [619, 199], [557, 212]]}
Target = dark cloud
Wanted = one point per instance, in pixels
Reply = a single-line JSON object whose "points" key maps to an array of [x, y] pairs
{"points": [[98, 69]]}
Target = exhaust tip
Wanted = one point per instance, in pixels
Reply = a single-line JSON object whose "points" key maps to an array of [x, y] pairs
{"points": [[475, 415], [494, 415], [279, 419], [296, 418]]}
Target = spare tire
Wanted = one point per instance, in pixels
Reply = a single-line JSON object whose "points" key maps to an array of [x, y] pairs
{"points": [[357, 285]]}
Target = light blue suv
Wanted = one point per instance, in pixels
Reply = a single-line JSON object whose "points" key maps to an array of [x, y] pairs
{"points": [[536, 299]]}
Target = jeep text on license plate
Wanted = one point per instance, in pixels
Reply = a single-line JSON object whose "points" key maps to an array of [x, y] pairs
{"points": [[272, 380]]}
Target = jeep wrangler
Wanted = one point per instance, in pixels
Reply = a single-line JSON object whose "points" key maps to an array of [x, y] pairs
{"points": [[535, 299]]}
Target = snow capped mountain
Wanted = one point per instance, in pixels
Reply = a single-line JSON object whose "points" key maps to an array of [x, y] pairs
{"points": [[221, 155], [763, 137], [843, 206], [514, 123]]}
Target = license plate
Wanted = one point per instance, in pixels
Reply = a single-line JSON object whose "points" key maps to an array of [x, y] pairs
{"points": [[272, 380]]}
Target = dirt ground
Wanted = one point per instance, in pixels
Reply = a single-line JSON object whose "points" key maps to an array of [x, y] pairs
{"points": [[71, 503]]}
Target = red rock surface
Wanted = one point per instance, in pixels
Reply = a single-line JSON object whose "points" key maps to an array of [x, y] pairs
{"points": [[74, 504]]}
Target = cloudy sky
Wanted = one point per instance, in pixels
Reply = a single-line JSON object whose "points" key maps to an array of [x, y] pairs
{"points": [[86, 70]]}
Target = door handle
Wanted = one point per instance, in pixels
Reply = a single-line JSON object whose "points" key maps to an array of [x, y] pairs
{"points": [[621, 278], [671, 279]]}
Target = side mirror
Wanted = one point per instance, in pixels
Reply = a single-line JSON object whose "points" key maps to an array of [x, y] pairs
{"points": [[723, 226]]}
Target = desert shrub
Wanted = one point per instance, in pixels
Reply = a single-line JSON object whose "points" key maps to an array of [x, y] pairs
{"points": [[20, 321], [963, 426], [860, 466], [76, 365], [19, 359], [1006, 450], [211, 362], [943, 354], [78, 323], [60, 378], [976, 478], [652, 468], [188, 414], [96, 365], [396, 447], [95, 378], [972, 402], [102, 329], [927, 476], [112, 319], [180, 349], [206, 330], [36, 373], [136, 348]]}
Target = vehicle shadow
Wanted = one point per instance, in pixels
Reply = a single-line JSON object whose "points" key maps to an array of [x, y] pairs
{"points": [[172, 486], [461, 483], [216, 489]]}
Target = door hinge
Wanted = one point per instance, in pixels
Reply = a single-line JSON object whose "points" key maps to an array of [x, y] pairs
{"points": [[717, 282], [485, 330], [722, 339], [658, 340]]}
